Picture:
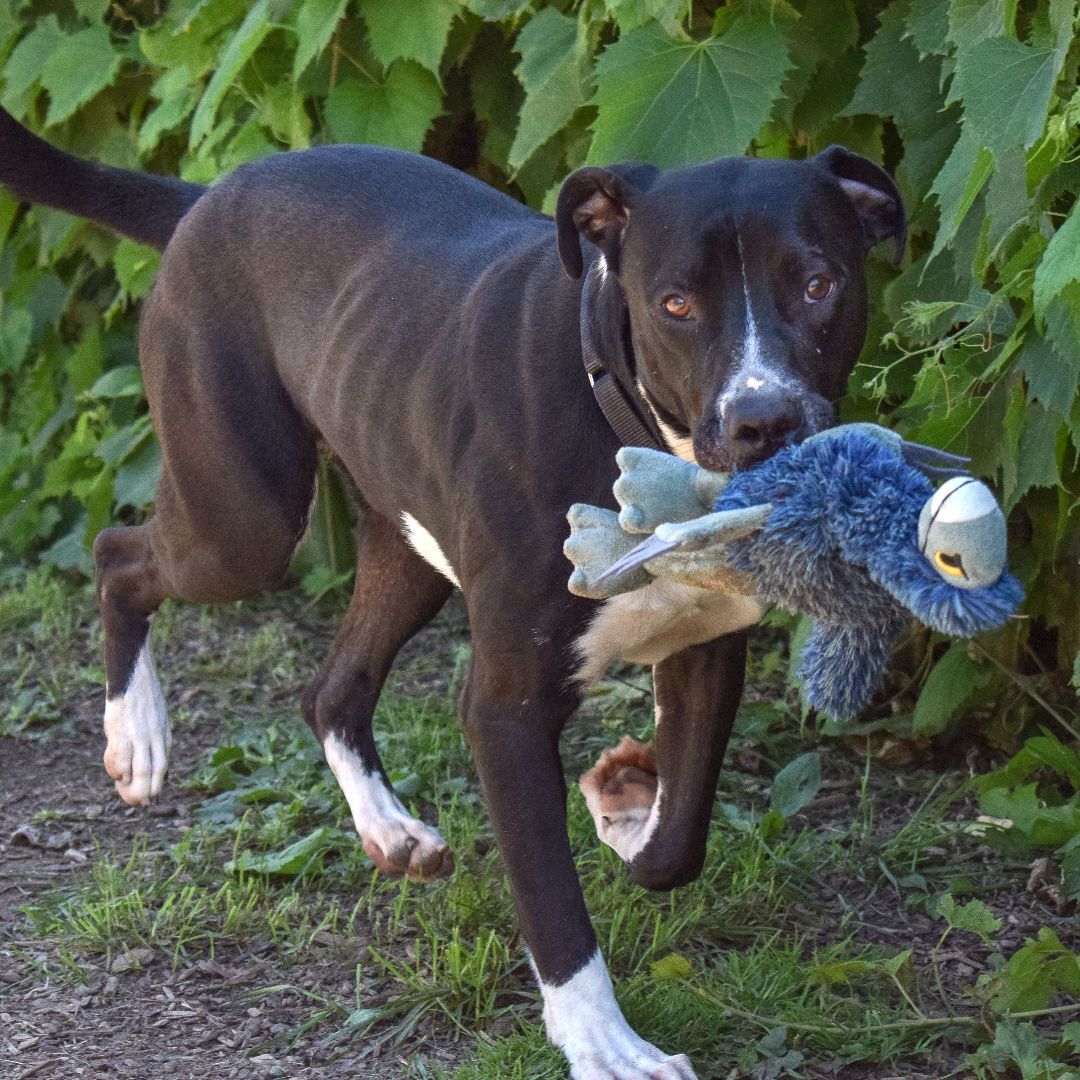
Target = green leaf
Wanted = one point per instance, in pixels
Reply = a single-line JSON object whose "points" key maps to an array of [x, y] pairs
{"points": [[632, 14], [237, 52], [1052, 378], [315, 23], [122, 381], [957, 186], [26, 61], [1005, 87], [671, 968], [1037, 458], [1034, 972], [135, 265], [974, 916], [972, 21], [928, 26], [79, 67], [177, 96], [306, 854], [954, 678], [553, 78], [1060, 264], [16, 328], [796, 784], [1076, 673], [415, 32], [396, 112], [676, 102], [137, 479]]}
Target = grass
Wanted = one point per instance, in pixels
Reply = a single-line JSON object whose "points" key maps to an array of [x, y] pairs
{"points": [[810, 941]]}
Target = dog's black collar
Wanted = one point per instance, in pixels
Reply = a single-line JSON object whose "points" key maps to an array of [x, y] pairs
{"points": [[622, 406]]}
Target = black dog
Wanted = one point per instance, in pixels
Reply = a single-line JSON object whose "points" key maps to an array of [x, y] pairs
{"points": [[420, 326]]}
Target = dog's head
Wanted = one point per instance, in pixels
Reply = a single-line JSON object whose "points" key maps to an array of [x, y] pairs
{"points": [[743, 279]]}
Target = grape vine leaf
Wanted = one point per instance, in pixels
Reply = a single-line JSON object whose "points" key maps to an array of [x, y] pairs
{"points": [[395, 112], [553, 79], [957, 186], [953, 679], [236, 53], [675, 102], [1060, 263], [315, 23], [414, 31], [25, 63], [1005, 87], [972, 21]]}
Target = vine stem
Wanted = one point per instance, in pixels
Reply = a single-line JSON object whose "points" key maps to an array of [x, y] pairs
{"points": [[771, 1022]]}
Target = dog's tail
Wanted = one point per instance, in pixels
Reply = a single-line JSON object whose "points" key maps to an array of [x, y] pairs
{"points": [[140, 205]]}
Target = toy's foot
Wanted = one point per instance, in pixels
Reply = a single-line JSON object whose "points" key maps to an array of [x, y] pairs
{"points": [[621, 793]]}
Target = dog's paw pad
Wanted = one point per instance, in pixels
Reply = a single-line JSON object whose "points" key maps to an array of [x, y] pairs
{"points": [[620, 791], [410, 850]]}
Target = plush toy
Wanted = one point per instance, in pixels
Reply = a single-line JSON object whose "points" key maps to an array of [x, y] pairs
{"points": [[845, 527]]}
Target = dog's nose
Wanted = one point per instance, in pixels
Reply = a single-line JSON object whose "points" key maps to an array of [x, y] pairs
{"points": [[760, 423]]}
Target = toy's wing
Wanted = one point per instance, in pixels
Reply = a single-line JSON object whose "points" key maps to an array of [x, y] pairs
{"points": [[596, 540], [689, 548], [654, 487]]}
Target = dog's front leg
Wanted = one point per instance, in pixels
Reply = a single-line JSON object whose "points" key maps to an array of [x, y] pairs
{"points": [[654, 808], [513, 711]]}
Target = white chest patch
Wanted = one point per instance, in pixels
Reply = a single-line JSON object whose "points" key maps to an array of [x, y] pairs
{"points": [[583, 1019], [427, 547], [682, 446], [138, 735], [652, 623]]}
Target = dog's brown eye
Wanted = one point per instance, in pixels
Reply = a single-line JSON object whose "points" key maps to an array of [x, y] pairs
{"points": [[677, 306], [818, 288]]}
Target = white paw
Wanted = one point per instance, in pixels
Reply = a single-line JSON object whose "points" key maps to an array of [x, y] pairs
{"points": [[583, 1019], [138, 735], [394, 840]]}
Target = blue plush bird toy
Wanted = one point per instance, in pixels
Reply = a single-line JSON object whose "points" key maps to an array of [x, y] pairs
{"points": [[846, 528]]}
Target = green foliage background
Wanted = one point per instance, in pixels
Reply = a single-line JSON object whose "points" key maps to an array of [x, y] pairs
{"points": [[974, 345]]}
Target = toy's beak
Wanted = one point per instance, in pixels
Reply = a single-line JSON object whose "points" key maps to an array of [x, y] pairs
{"points": [[932, 461], [962, 534], [646, 550]]}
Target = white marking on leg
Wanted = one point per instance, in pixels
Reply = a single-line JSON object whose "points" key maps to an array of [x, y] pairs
{"points": [[137, 734], [602, 266], [584, 1020], [427, 547], [754, 384], [377, 812]]}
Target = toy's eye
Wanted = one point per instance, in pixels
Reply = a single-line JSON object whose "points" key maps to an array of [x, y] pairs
{"points": [[949, 563], [818, 288], [678, 307]]}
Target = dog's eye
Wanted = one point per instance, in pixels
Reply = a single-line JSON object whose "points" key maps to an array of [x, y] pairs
{"points": [[818, 288], [678, 307]]}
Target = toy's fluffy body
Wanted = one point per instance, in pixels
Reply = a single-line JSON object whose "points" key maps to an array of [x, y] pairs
{"points": [[841, 545], [837, 528]]}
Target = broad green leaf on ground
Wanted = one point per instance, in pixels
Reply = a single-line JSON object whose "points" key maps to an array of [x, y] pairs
{"points": [[396, 112], [974, 916], [79, 67], [676, 102], [414, 31], [962, 177], [553, 78], [292, 861], [671, 968], [796, 784], [1005, 88], [972, 21], [1060, 263], [236, 53], [1033, 973], [26, 61], [314, 24], [954, 678]]}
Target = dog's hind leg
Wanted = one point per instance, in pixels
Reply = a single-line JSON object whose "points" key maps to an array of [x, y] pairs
{"points": [[395, 595]]}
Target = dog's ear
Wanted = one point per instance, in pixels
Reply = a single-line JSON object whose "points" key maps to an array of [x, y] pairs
{"points": [[596, 204], [872, 193]]}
